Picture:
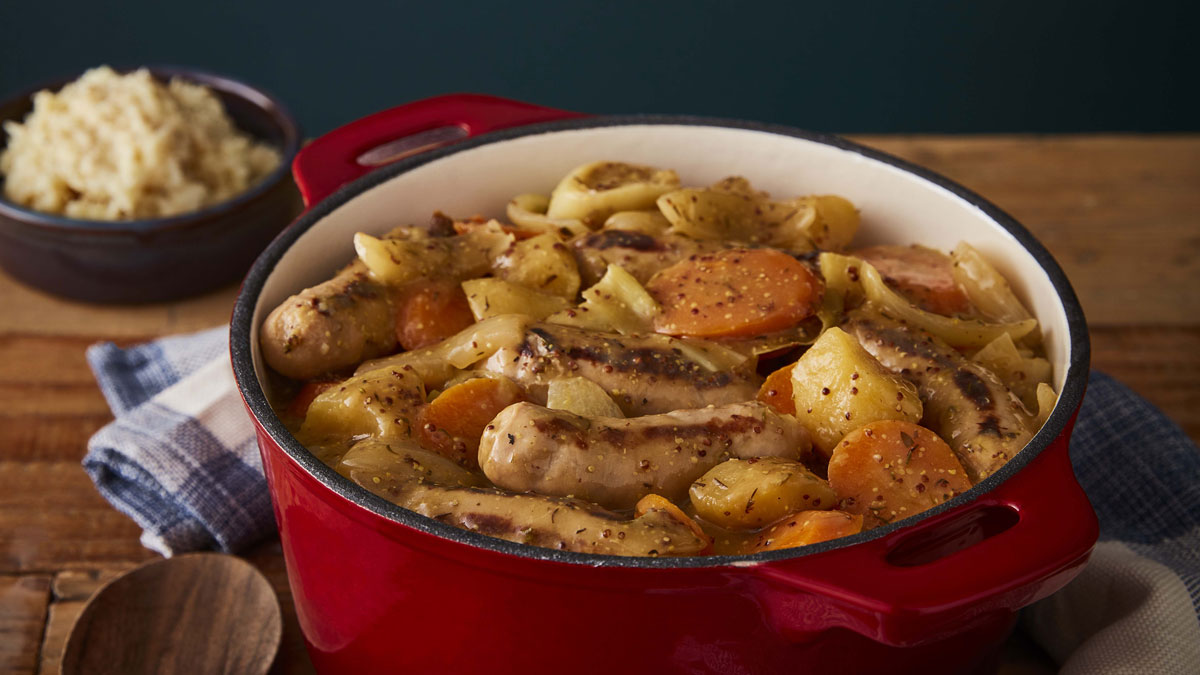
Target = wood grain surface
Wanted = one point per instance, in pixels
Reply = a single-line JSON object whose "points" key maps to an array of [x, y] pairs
{"points": [[195, 613], [1120, 213]]}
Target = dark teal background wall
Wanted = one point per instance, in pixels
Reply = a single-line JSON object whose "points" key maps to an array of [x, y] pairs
{"points": [[879, 66]]}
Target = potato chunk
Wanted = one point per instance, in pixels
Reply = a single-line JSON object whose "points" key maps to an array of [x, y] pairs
{"points": [[893, 469], [381, 404], [543, 263], [838, 386], [746, 494]]}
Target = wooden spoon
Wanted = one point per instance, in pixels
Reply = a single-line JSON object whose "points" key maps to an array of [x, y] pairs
{"points": [[194, 613]]}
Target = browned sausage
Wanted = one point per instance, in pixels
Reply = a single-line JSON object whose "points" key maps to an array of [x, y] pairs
{"points": [[434, 486], [331, 326], [923, 275], [642, 374], [969, 407], [615, 462], [337, 324]]}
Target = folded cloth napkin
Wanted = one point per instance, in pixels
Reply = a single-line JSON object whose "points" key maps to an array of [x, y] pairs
{"points": [[180, 459]]}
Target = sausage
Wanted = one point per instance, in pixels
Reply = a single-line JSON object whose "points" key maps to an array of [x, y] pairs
{"points": [[638, 253], [923, 275], [615, 462], [331, 326], [968, 406], [643, 374], [434, 486], [337, 324]]}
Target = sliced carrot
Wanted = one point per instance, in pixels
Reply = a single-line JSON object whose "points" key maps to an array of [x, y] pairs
{"points": [[431, 311], [298, 408], [654, 502], [893, 469], [776, 390], [453, 423], [734, 293], [923, 275], [804, 528]]}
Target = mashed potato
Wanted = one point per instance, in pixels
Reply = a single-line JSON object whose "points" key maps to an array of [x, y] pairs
{"points": [[125, 147]]}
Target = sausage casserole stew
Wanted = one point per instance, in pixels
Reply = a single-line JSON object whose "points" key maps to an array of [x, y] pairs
{"points": [[633, 367]]}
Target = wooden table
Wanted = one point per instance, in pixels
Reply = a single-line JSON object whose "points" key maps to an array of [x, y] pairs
{"points": [[1120, 213]]}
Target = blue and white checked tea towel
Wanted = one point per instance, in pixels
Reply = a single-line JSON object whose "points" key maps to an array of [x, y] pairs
{"points": [[180, 459]]}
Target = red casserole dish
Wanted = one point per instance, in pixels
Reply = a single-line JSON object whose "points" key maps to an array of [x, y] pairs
{"points": [[379, 588]]}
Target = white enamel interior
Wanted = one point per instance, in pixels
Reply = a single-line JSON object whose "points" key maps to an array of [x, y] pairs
{"points": [[897, 206]]}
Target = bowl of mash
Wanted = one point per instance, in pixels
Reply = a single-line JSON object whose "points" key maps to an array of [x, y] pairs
{"points": [[142, 185]]}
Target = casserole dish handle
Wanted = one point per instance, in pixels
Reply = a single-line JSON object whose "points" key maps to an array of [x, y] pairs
{"points": [[1015, 544], [356, 149]]}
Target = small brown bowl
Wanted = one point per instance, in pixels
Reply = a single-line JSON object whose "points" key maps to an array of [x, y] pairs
{"points": [[161, 258]]}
